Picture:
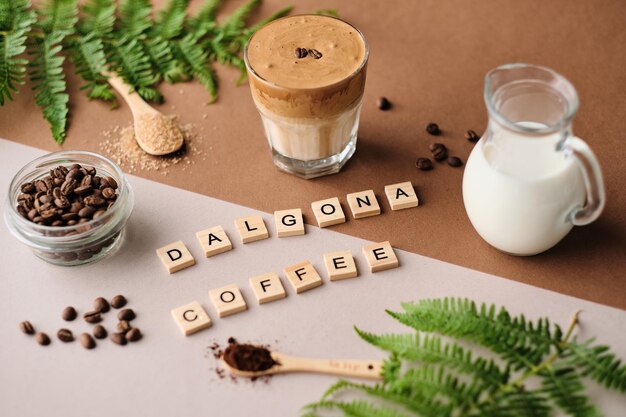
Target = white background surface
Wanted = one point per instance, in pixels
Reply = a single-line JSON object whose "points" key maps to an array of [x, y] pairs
{"points": [[167, 374]]}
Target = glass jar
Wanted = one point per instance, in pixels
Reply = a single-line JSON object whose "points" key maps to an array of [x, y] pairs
{"points": [[77, 244]]}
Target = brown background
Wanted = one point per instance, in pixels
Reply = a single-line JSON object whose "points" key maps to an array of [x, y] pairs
{"points": [[429, 58]]}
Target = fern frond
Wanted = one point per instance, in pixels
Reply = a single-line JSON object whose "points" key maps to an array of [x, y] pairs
{"points": [[566, 389], [513, 338], [170, 19], [49, 83], [16, 20], [128, 59], [597, 363], [164, 62], [431, 350], [87, 54], [355, 408], [196, 58], [327, 12], [58, 17], [237, 20], [99, 17], [517, 402], [135, 17]]}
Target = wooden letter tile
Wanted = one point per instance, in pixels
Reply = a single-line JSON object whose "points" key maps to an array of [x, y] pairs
{"points": [[401, 196], [267, 288], [214, 241], [340, 265], [380, 256], [363, 204], [191, 318], [227, 300], [175, 256], [303, 276], [328, 212], [251, 228], [289, 222]]}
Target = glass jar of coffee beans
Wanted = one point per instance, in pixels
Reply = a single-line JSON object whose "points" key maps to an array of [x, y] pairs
{"points": [[69, 207]]}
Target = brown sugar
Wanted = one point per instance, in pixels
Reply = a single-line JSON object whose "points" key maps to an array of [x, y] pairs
{"points": [[158, 134]]}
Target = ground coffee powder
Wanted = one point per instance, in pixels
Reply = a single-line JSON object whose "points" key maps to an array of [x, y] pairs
{"points": [[248, 357]]}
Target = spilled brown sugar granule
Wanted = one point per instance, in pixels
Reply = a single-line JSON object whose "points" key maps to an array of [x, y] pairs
{"points": [[120, 145]]}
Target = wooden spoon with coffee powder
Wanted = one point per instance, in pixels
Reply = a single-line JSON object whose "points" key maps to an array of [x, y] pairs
{"points": [[255, 361], [155, 133]]}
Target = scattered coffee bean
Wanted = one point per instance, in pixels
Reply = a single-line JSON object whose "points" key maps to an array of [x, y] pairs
{"points": [[118, 338], [65, 335], [27, 327], [383, 104], [87, 341], [424, 164], [69, 313], [133, 335], [433, 129], [42, 339], [301, 53], [472, 136], [454, 161], [92, 317], [101, 304], [123, 326], [315, 53], [127, 314], [439, 150], [118, 301], [99, 332]]}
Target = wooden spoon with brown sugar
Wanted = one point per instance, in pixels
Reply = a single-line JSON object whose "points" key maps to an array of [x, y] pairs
{"points": [[155, 133]]}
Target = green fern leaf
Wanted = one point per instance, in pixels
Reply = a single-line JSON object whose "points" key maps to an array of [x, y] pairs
{"points": [[128, 59], [99, 17], [87, 54], [196, 59], [565, 388], [169, 22], [49, 83], [517, 402], [598, 363], [134, 18], [16, 20], [237, 21], [58, 17], [164, 62]]}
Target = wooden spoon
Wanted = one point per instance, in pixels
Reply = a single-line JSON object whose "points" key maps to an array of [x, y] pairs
{"points": [[341, 367], [155, 133]]}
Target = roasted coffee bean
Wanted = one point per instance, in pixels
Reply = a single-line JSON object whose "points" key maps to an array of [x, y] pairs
{"points": [[95, 182], [28, 188], [23, 211], [46, 199], [98, 213], [74, 174], [133, 335], [440, 152], [94, 200], [76, 166], [433, 129], [62, 202], [383, 104], [472, 136], [91, 170], [86, 181], [57, 223], [56, 193], [118, 338], [101, 304], [118, 301], [123, 326], [424, 164], [454, 161], [108, 193], [75, 207], [32, 214], [111, 182], [83, 190], [315, 53], [41, 186], [86, 212], [127, 314], [68, 186], [69, 216], [99, 332], [27, 327], [92, 316], [301, 53], [58, 181], [42, 339], [65, 335], [48, 214], [87, 341]]}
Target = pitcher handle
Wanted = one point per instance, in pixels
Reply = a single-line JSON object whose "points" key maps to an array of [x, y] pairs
{"points": [[594, 184]]}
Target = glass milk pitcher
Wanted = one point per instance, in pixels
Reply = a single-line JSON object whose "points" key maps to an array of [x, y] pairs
{"points": [[528, 181]]}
